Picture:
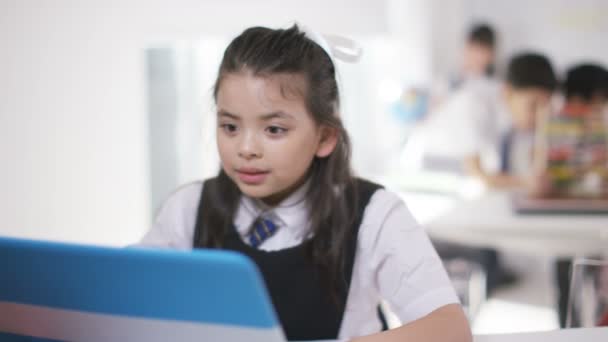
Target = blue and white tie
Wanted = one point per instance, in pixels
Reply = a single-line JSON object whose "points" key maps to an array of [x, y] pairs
{"points": [[262, 230]]}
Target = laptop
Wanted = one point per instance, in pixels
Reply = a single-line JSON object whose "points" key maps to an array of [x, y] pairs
{"points": [[55, 291]]}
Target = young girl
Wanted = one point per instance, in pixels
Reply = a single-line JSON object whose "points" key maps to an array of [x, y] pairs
{"points": [[329, 246]]}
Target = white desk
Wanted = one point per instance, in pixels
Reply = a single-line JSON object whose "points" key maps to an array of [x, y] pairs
{"points": [[489, 221], [567, 335], [564, 335]]}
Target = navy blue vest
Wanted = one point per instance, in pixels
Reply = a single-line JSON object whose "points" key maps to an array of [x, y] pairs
{"points": [[303, 302]]}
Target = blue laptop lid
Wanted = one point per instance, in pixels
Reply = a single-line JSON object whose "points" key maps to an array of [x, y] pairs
{"points": [[208, 287]]}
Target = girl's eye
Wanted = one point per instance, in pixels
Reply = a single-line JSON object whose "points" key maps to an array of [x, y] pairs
{"points": [[228, 128], [275, 130]]}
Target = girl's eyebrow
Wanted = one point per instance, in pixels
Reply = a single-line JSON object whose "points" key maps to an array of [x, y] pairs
{"points": [[265, 117], [222, 112], [279, 114]]}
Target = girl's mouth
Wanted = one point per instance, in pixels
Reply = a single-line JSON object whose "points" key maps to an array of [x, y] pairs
{"points": [[252, 176]]}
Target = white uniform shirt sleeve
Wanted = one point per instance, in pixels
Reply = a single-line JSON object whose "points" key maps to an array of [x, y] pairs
{"points": [[475, 125], [404, 266], [464, 124], [174, 223]]}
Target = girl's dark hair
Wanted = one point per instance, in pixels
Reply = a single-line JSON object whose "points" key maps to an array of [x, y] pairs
{"points": [[265, 52]]}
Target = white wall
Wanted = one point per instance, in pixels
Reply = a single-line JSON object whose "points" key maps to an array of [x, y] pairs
{"points": [[449, 24], [567, 31], [72, 136], [73, 139]]}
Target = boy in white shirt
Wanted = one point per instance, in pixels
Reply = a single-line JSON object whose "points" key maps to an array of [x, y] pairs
{"points": [[470, 131], [486, 131]]}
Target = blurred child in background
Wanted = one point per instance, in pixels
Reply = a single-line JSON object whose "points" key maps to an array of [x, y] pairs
{"points": [[575, 139], [526, 95], [478, 59], [488, 133], [573, 158]]}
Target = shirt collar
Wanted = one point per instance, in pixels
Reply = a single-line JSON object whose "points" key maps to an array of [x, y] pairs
{"points": [[291, 213]]}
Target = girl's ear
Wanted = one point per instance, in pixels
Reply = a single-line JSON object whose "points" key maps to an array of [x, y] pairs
{"points": [[327, 144]]}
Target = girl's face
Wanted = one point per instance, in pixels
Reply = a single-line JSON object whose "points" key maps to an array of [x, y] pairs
{"points": [[266, 138]]}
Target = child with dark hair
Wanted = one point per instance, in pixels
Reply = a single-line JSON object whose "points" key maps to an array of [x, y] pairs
{"points": [[330, 246], [488, 133], [576, 138], [529, 85], [574, 158], [477, 62], [480, 50], [478, 56]]}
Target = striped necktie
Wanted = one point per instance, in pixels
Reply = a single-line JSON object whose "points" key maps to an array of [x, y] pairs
{"points": [[262, 230]]}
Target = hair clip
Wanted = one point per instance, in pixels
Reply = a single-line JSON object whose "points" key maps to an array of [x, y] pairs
{"points": [[344, 49], [337, 47]]}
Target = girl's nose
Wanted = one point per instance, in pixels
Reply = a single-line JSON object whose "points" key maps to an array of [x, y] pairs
{"points": [[249, 147]]}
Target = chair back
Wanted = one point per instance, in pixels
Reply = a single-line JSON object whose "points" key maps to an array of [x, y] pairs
{"points": [[588, 296]]}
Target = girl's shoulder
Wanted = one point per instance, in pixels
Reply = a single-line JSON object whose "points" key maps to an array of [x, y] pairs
{"points": [[388, 219], [185, 196], [188, 189], [382, 205], [389, 231], [379, 194], [384, 202]]}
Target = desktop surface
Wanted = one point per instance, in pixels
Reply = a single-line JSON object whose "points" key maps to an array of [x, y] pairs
{"points": [[491, 221]]}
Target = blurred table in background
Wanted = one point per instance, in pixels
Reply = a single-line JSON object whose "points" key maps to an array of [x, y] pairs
{"points": [[565, 335], [490, 221]]}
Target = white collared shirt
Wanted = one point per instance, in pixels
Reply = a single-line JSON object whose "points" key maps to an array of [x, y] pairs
{"points": [[476, 117], [394, 261]]}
